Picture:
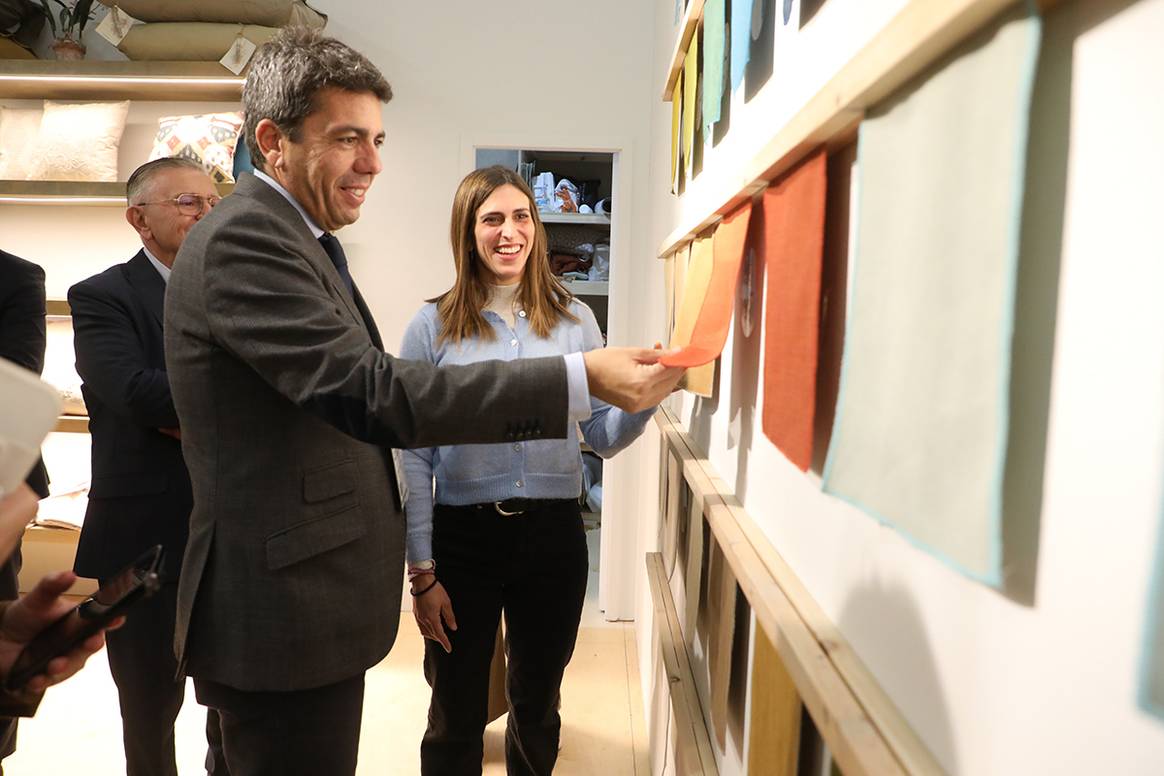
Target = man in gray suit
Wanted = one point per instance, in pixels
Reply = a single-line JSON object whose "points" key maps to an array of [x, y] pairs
{"points": [[289, 407]]}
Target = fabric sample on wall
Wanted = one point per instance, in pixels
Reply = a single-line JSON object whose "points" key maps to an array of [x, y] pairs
{"points": [[1152, 661], [792, 246], [919, 439], [78, 142], [713, 55], [721, 600], [699, 380], [741, 33], [690, 103], [209, 139], [676, 130], [715, 315]]}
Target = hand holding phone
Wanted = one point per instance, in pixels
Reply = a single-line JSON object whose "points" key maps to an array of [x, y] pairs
{"points": [[71, 630]]}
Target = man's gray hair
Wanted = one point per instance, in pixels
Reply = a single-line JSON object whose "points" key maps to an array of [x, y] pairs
{"points": [[138, 185], [288, 72]]}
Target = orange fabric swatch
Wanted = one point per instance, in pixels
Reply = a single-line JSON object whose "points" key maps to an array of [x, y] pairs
{"points": [[793, 247], [700, 380], [715, 314]]}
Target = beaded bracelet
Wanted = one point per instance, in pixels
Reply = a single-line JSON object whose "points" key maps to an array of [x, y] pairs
{"points": [[431, 585]]}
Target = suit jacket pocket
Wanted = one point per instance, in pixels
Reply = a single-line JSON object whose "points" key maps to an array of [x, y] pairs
{"points": [[314, 537], [330, 493], [121, 485], [328, 482]]}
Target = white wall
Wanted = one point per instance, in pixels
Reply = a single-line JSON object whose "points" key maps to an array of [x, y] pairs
{"points": [[992, 686]]}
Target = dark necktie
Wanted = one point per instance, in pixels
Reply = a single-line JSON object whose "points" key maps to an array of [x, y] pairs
{"points": [[335, 252]]}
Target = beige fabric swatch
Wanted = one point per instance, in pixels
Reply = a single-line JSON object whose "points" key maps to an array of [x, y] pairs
{"points": [[920, 434]]}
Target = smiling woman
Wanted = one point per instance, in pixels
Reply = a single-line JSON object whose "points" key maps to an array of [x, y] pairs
{"points": [[505, 532]]}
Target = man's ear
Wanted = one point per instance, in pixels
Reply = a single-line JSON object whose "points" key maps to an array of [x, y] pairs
{"points": [[269, 139], [135, 216]]}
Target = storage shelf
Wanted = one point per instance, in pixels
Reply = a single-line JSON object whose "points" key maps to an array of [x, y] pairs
{"points": [[594, 219], [40, 79], [72, 193], [587, 287], [73, 424]]}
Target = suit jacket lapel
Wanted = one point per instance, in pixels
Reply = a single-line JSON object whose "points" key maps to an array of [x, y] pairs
{"points": [[250, 186], [147, 283]]}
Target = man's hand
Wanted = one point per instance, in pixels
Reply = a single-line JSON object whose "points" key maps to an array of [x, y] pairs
{"points": [[29, 615], [630, 378], [429, 609]]}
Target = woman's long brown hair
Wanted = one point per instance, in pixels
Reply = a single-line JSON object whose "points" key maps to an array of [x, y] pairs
{"points": [[544, 299]]}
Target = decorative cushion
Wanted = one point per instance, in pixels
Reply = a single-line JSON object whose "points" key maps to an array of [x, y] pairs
{"points": [[78, 142], [60, 369], [208, 139], [188, 41], [18, 128], [268, 13]]}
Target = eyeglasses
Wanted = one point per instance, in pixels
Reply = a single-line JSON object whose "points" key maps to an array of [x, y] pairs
{"points": [[188, 204]]}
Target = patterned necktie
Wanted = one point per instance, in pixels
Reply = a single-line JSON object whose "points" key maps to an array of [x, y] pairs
{"points": [[335, 252]]}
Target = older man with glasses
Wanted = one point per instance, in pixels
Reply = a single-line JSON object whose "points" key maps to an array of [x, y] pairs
{"points": [[141, 492]]}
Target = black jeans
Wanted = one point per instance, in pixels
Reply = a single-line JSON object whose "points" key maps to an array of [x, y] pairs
{"points": [[532, 566]]}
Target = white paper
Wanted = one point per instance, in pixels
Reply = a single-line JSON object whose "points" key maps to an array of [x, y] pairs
{"points": [[239, 55], [116, 25]]}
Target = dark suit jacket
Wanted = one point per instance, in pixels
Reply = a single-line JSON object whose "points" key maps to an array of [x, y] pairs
{"points": [[141, 491], [292, 577], [22, 329]]}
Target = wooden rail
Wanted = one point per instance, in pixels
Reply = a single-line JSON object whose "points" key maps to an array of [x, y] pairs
{"points": [[691, 737], [923, 32], [692, 17], [860, 724]]}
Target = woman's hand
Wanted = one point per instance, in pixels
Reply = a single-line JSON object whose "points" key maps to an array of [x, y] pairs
{"points": [[433, 612]]}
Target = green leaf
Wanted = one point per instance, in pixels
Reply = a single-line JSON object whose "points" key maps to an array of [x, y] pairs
{"points": [[82, 14]]}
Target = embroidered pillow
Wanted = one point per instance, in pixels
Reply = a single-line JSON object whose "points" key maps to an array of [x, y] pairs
{"points": [[18, 128], [77, 142], [208, 139]]}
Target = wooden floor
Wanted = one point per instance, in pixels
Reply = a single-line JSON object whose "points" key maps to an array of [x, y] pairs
{"points": [[78, 727]]}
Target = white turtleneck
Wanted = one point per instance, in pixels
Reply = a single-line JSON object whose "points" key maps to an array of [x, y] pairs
{"points": [[503, 301]]}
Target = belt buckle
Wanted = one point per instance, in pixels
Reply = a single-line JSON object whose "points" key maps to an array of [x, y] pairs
{"points": [[500, 511]]}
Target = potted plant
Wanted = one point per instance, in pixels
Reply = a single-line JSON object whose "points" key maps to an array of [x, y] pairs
{"points": [[67, 21]]}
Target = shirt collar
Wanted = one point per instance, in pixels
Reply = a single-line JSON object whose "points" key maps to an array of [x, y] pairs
{"points": [[162, 269], [316, 232]]}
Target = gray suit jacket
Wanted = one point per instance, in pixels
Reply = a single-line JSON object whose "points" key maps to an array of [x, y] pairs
{"points": [[292, 575]]}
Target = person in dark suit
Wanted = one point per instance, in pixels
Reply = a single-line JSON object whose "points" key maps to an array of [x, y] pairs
{"points": [[140, 495], [22, 341], [289, 406]]}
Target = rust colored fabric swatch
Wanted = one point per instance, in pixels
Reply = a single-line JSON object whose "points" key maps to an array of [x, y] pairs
{"points": [[715, 314], [793, 247]]}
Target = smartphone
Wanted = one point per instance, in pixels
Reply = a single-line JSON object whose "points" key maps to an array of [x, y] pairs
{"points": [[136, 582]]}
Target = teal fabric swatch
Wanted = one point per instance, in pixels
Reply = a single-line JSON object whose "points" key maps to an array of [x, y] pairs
{"points": [[741, 39], [713, 54], [1152, 659]]}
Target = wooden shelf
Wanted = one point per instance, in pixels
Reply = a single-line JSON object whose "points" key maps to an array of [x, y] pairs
{"points": [[587, 219], [92, 80], [691, 19], [73, 424], [587, 287], [57, 307], [71, 193]]}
